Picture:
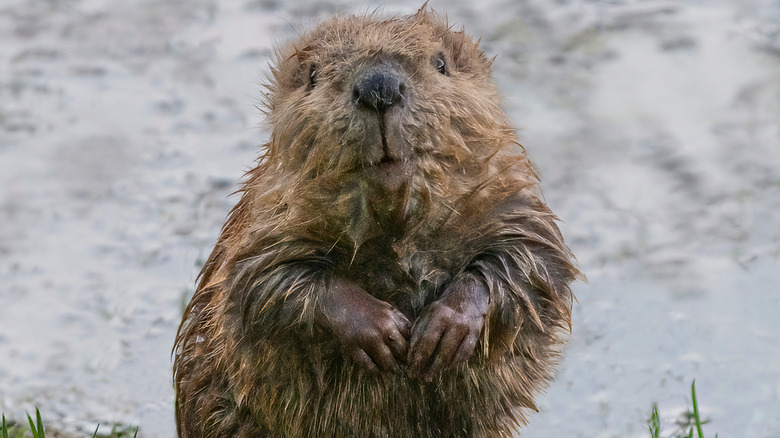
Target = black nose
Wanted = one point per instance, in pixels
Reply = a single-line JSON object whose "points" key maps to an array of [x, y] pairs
{"points": [[379, 89]]}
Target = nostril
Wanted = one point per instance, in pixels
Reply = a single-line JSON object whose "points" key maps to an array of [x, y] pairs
{"points": [[356, 94], [402, 89]]}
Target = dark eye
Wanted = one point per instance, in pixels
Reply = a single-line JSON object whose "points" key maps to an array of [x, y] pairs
{"points": [[313, 73], [441, 65]]}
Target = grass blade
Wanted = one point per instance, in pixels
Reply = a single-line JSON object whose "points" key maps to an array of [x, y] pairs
{"points": [[32, 426], [94, 435], [5, 428], [655, 422], [41, 433], [696, 409]]}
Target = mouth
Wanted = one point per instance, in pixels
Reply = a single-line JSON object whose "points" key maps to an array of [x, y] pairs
{"points": [[389, 164], [387, 160], [389, 172]]}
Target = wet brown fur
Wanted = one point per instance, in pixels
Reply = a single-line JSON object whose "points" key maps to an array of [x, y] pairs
{"points": [[250, 358]]}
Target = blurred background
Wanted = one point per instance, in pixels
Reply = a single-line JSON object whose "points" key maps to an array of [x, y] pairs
{"points": [[655, 127]]}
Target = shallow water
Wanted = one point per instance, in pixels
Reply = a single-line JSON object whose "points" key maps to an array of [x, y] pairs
{"points": [[654, 127]]}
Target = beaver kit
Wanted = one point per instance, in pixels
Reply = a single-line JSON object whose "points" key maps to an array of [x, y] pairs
{"points": [[390, 269]]}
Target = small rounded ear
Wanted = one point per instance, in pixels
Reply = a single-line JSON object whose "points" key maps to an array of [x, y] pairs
{"points": [[466, 56], [299, 68], [462, 52], [304, 54]]}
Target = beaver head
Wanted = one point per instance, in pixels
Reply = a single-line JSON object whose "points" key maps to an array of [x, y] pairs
{"points": [[382, 98]]}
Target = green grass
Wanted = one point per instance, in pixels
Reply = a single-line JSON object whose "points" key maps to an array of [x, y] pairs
{"points": [[36, 430], [691, 419]]}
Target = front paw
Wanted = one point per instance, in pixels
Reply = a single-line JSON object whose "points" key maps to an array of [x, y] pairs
{"points": [[371, 332], [449, 328]]}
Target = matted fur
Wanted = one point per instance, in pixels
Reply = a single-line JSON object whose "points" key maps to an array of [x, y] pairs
{"points": [[250, 359]]}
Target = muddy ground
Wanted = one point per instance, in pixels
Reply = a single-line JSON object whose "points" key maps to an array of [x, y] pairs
{"points": [[655, 127]]}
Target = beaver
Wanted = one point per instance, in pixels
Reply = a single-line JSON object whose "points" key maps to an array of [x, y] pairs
{"points": [[390, 269]]}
